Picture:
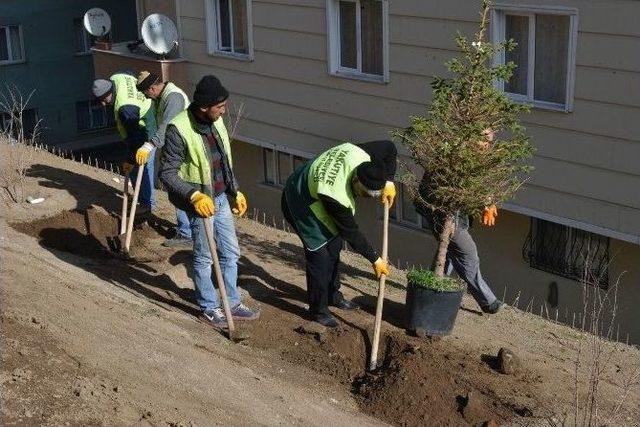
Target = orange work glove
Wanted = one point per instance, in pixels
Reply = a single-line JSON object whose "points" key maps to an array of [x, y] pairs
{"points": [[203, 204], [126, 168], [489, 216]]}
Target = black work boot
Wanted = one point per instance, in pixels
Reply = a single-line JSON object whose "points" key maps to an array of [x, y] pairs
{"points": [[325, 319], [492, 308], [345, 304]]}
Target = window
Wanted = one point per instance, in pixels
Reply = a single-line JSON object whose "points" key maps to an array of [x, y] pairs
{"points": [[403, 211], [358, 38], [229, 28], [544, 56], [83, 40], [13, 125], [568, 252], [90, 115], [11, 45], [278, 165]]}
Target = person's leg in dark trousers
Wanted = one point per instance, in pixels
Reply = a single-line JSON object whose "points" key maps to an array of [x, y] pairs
{"points": [[334, 248], [462, 254]]}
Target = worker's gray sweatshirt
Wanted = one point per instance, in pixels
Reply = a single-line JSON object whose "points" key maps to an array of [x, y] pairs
{"points": [[175, 104]]}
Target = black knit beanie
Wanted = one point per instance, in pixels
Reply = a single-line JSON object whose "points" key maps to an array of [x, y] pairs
{"points": [[371, 175], [209, 92]]}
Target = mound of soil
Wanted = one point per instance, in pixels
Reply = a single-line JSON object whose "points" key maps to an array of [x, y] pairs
{"points": [[91, 233], [425, 382]]}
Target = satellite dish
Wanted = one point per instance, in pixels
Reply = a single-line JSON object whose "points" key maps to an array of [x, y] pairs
{"points": [[159, 33], [97, 22]]}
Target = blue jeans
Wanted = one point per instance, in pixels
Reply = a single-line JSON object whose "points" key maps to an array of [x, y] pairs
{"points": [[146, 196], [228, 254], [183, 227]]}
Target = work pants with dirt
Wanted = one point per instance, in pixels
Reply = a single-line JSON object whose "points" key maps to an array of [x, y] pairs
{"points": [[323, 284], [462, 256], [224, 232], [146, 195]]}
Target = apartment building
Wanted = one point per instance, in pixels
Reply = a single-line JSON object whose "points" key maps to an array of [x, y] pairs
{"points": [[45, 49], [312, 73]]}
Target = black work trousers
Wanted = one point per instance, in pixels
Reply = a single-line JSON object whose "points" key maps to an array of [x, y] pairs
{"points": [[323, 284]]}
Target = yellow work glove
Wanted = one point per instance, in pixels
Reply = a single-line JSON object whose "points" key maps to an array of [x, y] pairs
{"points": [[380, 267], [241, 204], [126, 168], [389, 193], [203, 204], [489, 216], [143, 153]]}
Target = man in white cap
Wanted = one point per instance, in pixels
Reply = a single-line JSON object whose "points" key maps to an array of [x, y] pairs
{"points": [[134, 120], [169, 100]]}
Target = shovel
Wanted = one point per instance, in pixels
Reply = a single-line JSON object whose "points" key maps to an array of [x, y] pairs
{"points": [[232, 334], [373, 364], [134, 203]]}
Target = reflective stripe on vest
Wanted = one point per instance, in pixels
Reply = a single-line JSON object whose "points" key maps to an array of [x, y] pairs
{"points": [[329, 174], [195, 166], [125, 93], [169, 88]]}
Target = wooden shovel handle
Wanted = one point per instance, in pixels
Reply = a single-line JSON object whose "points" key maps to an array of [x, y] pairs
{"points": [[216, 267], [378, 322], [134, 203], [125, 202]]}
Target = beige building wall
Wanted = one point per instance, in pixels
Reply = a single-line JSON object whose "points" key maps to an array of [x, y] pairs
{"points": [[587, 170]]}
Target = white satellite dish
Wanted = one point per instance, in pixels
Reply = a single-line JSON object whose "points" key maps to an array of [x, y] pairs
{"points": [[97, 22], [159, 33]]}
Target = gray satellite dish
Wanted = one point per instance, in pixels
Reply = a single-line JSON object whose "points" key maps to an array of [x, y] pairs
{"points": [[97, 22], [159, 33]]}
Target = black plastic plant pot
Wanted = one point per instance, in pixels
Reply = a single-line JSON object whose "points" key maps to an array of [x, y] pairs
{"points": [[431, 312]]}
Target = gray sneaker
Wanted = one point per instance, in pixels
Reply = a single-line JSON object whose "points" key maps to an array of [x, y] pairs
{"points": [[178, 242], [215, 318], [242, 312]]}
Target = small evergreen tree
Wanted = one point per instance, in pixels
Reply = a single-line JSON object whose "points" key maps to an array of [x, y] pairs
{"points": [[466, 169]]}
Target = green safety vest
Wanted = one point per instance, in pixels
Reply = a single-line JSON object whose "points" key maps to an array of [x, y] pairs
{"points": [[125, 93], [329, 174], [196, 167], [169, 88]]}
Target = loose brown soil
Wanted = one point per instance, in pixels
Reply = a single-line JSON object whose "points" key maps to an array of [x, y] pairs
{"points": [[108, 322]]}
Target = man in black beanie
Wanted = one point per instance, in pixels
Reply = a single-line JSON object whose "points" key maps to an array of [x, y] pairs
{"points": [[319, 202], [197, 170]]}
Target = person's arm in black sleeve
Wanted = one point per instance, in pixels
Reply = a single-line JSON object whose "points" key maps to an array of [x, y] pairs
{"points": [[136, 135], [382, 152], [348, 229], [173, 153]]}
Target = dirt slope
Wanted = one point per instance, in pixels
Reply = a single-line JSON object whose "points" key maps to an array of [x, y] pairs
{"points": [[88, 338]]}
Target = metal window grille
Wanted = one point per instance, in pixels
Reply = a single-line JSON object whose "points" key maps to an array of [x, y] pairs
{"points": [[568, 252]]}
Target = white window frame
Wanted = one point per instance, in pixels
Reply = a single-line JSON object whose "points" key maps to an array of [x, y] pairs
{"points": [[333, 30], [498, 27], [275, 165], [5, 28], [213, 31]]}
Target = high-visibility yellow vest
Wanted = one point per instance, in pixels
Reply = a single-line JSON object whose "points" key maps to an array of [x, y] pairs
{"points": [[196, 167], [125, 93], [329, 174]]}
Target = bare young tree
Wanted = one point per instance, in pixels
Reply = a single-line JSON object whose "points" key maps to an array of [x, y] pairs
{"points": [[16, 137]]}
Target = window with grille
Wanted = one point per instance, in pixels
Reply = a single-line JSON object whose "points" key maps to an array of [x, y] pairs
{"points": [[544, 55], [229, 28], [278, 165], [358, 33], [568, 252], [11, 44], [403, 211], [91, 115]]}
